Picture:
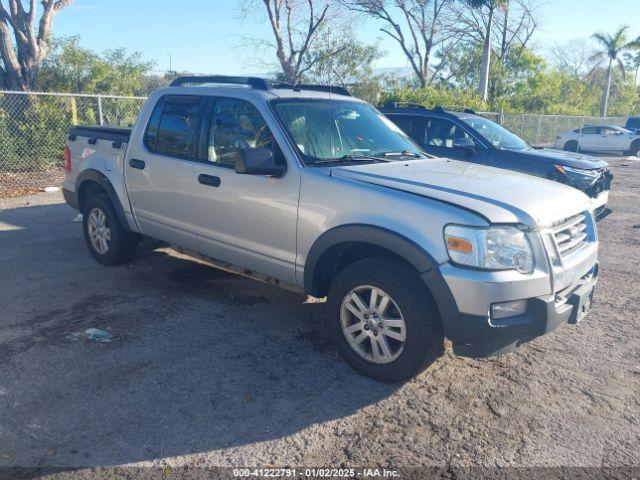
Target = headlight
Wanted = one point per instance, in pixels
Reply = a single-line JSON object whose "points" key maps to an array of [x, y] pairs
{"points": [[593, 173], [493, 248]]}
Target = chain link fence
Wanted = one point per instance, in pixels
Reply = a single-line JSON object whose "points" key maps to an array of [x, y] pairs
{"points": [[33, 129], [541, 130]]}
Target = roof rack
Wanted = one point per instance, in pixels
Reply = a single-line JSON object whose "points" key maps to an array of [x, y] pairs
{"points": [[255, 82], [400, 104], [322, 88]]}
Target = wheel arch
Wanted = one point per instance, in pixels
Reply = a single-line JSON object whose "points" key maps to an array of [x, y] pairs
{"points": [[91, 181], [343, 245]]}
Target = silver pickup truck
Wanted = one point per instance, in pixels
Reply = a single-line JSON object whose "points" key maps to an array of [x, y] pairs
{"points": [[311, 189]]}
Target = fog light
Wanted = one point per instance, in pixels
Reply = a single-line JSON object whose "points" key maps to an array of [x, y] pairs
{"points": [[508, 309]]}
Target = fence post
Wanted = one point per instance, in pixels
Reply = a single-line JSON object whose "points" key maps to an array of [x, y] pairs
{"points": [[74, 111], [522, 126], [100, 110], [539, 120], [501, 122]]}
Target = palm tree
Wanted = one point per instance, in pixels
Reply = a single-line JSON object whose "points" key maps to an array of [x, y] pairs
{"points": [[612, 48], [633, 62], [491, 6]]}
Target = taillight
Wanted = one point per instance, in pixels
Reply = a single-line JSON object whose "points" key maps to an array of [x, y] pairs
{"points": [[67, 159]]}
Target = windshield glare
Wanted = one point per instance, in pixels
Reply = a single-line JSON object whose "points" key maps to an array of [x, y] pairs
{"points": [[499, 136], [330, 130]]}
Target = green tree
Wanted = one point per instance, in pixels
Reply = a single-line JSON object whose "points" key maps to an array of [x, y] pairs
{"points": [[612, 47], [74, 69]]}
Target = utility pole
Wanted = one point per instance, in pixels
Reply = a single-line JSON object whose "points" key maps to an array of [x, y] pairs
{"points": [[170, 62]]}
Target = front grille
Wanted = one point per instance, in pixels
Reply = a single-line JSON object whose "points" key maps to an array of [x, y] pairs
{"points": [[570, 234]]}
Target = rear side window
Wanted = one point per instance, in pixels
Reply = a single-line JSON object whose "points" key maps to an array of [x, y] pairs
{"points": [[590, 130], [404, 122], [173, 127]]}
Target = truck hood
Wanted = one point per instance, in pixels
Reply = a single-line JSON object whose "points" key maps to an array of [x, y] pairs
{"points": [[500, 196], [561, 157]]}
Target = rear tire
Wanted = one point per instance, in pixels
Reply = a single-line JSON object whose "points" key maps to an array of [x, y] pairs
{"points": [[405, 328], [106, 239], [571, 146], [635, 149]]}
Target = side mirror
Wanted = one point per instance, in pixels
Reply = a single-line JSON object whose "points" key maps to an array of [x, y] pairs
{"points": [[464, 144], [257, 161]]}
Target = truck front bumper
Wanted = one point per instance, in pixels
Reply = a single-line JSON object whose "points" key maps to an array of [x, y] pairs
{"points": [[475, 335]]}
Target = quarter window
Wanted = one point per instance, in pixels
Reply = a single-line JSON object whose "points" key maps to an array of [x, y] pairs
{"points": [[237, 124]]}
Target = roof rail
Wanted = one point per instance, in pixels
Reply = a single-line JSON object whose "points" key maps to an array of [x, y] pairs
{"points": [[400, 104], [322, 88], [439, 109], [253, 82], [470, 110]]}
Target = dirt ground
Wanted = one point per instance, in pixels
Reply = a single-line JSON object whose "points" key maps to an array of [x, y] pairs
{"points": [[206, 368]]}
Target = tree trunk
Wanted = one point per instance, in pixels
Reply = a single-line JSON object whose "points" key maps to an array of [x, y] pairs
{"points": [[605, 94], [486, 57]]}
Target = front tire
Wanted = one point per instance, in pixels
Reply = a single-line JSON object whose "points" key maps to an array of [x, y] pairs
{"points": [[106, 239], [383, 320]]}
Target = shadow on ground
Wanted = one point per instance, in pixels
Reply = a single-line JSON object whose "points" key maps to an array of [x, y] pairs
{"points": [[201, 360]]}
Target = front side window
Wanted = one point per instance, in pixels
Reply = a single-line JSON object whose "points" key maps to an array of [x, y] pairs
{"points": [[326, 131], [442, 133], [173, 127], [236, 124], [496, 134], [590, 130], [633, 123]]}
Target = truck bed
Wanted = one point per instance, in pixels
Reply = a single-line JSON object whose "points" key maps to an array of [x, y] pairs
{"points": [[114, 134]]}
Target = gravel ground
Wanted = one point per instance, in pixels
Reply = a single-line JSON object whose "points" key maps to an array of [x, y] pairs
{"points": [[207, 368]]}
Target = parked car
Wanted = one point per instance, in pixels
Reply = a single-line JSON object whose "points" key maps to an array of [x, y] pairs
{"points": [[633, 124], [600, 138], [473, 138], [310, 189]]}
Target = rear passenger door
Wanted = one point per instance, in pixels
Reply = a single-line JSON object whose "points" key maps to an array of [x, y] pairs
{"points": [[159, 171], [246, 220]]}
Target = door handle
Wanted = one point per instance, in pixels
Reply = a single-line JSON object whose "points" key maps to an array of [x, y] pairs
{"points": [[209, 180], [135, 163]]}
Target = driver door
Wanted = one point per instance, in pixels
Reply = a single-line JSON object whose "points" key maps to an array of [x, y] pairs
{"points": [[439, 137], [248, 221]]}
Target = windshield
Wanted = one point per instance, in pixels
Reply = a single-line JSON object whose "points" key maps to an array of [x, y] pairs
{"points": [[499, 136], [342, 130]]}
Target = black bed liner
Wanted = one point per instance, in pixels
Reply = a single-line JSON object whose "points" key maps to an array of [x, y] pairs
{"points": [[114, 134]]}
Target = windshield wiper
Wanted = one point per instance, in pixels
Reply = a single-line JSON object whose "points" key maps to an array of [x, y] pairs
{"points": [[404, 153], [351, 159]]}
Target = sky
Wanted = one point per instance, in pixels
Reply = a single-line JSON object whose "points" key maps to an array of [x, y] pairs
{"points": [[207, 36]]}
